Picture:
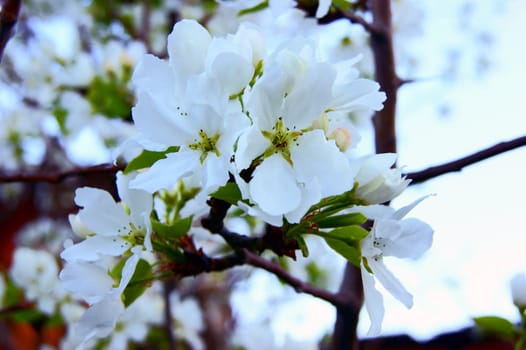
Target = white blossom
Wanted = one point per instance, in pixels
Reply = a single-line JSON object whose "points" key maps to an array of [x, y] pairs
{"points": [[391, 235], [36, 271], [115, 231], [377, 181]]}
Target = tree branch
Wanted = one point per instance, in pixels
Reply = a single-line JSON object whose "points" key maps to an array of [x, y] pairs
{"points": [[298, 285], [8, 18], [56, 177], [344, 336], [457, 165]]}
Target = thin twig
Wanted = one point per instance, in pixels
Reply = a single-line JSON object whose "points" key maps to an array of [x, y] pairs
{"points": [[56, 177], [299, 285], [459, 164]]}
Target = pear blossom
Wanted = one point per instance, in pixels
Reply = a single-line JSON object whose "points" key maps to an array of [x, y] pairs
{"points": [[377, 181], [391, 235], [294, 163], [115, 231], [36, 271], [185, 102], [100, 319]]}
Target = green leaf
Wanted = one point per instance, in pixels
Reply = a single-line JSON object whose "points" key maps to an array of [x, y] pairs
{"points": [[147, 158], [140, 280], [349, 234], [302, 245], [110, 97], [261, 6], [174, 230], [347, 251], [316, 275], [229, 193], [61, 115], [26, 315], [342, 220], [496, 326]]}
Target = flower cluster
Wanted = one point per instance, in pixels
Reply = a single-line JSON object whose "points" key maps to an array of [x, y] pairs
{"points": [[271, 128]]}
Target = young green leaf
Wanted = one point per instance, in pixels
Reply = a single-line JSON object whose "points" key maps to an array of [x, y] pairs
{"points": [[349, 234], [147, 158], [229, 193], [342, 220], [174, 230], [347, 251], [139, 282], [496, 326]]}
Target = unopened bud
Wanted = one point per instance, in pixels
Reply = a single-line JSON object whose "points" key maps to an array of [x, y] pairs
{"points": [[342, 137], [518, 290]]}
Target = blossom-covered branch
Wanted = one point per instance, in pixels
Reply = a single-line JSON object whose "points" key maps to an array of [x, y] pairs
{"points": [[458, 164]]}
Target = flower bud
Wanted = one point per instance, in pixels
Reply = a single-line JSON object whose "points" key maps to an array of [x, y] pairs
{"points": [[78, 227], [342, 137], [518, 290]]}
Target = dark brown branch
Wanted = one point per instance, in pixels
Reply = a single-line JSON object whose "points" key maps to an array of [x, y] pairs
{"points": [[457, 165], [385, 74], [298, 285], [381, 42], [56, 177], [8, 18]]}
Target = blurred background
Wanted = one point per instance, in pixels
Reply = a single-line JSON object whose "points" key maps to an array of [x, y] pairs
{"points": [[65, 100]]}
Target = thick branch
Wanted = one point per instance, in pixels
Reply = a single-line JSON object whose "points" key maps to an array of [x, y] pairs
{"points": [[385, 74], [459, 164], [8, 18], [56, 177]]}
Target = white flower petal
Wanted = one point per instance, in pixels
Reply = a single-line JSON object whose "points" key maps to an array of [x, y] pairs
{"points": [[374, 303], [400, 213], [315, 157], [100, 213], [358, 94], [165, 173], [273, 186], [390, 282], [99, 320], [233, 71], [415, 238], [88, 280], [128, 270], [310, 195], [155, 76], [187, 47], [251, 144], [92, 248], [140, 202], [374, 166], [310, 96], [158, 122], [373, 212]]}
